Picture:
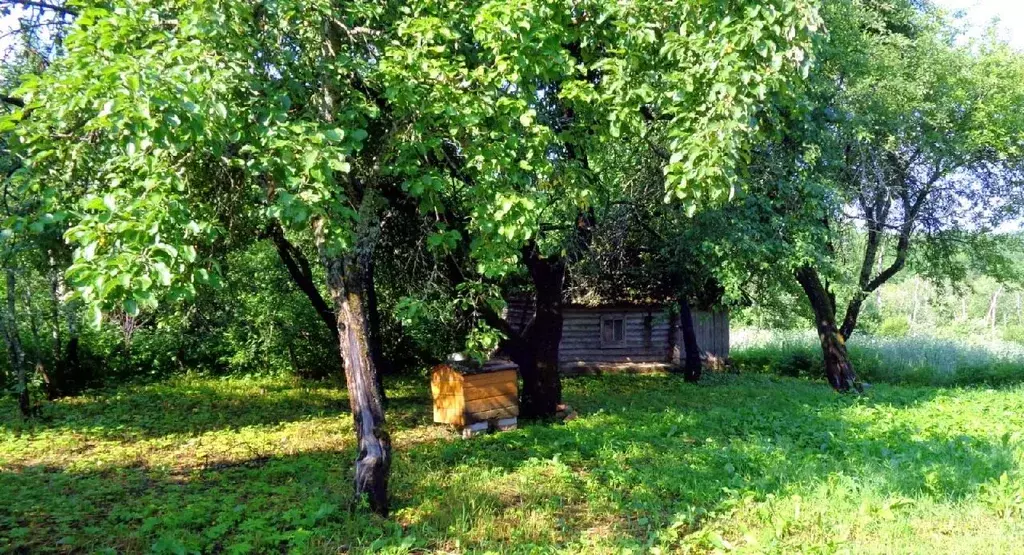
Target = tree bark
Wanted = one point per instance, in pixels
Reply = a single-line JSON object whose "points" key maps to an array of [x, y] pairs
{"points": [[65, 376], [538, 366], [347, 276], [56, 290], [876, 212], [302, 275], [838, 368], [692, 368], [380, 362], [14, 347]]}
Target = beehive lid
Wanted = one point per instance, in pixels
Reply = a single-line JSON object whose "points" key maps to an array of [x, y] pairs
{"points": [[469, 366]]}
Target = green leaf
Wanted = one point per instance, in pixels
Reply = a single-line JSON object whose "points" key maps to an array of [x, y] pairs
{"points": [[167, 249], [163, 274], [340, 165], [88, 253], [95, 316]]}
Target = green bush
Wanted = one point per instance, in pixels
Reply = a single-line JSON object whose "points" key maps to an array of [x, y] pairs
{"points": [[893, 327], [1014, 334], [787, 360]]}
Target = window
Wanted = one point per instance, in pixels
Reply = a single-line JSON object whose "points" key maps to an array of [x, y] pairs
{"points": [[613, 331]]}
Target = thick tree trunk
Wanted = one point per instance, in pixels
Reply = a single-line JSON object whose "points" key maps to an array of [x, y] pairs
{"points": [[542, 382], [692, 367], [838, 368], [852, 314], [380, 362], [347, 277], [14, 347]]}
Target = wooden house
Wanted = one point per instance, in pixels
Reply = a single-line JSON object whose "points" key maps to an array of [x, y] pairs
{"points": [[626, 337]]}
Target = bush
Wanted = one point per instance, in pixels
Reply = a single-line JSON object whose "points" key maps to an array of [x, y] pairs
{"points": [[893, 327], [1014, 334], [788, 360]]}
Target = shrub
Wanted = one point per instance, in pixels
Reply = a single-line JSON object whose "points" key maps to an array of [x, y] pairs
{"points": [[1014, 334], [893, 327]]}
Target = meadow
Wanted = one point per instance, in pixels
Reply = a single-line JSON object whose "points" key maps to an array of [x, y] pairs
{"points": [[750, 463], [915, 359]]}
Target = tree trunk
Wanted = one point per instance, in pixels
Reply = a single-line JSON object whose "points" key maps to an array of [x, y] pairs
{"points": [[56, 290], [692, 367], [299, 270], [1019, 321], [993, 308], [838, 368], [14, 347], [65, 376], [347, 282], [852, 314], [542, 382], [376, 346]]}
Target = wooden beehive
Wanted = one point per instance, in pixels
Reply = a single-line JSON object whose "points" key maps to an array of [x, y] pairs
{"points": [[467, 394]]}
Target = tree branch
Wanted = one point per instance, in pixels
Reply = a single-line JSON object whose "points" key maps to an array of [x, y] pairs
{"points": [[299, 270], [45, 6]]}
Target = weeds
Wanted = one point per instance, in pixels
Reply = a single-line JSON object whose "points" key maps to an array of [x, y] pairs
{"points": [[746, 462], [917, 360]]}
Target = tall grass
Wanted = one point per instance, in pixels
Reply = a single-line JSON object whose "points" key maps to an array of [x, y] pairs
{"points": [[921, 360]]}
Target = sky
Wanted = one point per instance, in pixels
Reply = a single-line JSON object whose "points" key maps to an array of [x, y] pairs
{"points": [[979, 13]]}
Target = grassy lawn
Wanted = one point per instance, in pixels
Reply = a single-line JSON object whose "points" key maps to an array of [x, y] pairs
{"points": [[749, 463]]}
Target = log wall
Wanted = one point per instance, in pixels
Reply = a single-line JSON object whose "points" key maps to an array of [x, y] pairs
{"points": [[658, 343]]}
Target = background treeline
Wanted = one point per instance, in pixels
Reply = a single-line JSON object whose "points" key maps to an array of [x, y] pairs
{"points": [[256, 320], [987, 302]]}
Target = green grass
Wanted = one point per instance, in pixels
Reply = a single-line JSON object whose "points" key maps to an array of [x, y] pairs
{"points": [[912, 360], [747, 462]]}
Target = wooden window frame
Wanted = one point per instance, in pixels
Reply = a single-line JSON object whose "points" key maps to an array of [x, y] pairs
{"points": [[620, 344]]}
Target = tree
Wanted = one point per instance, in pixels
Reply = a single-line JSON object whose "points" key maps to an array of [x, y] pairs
{"points": [[917, 139], [164, 120]]}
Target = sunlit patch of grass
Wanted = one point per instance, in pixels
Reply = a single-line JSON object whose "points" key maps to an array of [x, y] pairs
{"points": [[917, 360], [746, 462]]}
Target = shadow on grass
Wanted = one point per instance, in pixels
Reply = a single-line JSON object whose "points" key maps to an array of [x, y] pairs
{"points": [[647, 455], [192, 406]]}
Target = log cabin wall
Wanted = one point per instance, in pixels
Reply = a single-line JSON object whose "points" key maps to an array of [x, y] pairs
{"points": [[647, 335], [712, 330], [643, 341]]}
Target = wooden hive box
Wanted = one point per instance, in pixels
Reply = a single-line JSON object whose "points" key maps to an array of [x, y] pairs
{"points": [[467, 394]]}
